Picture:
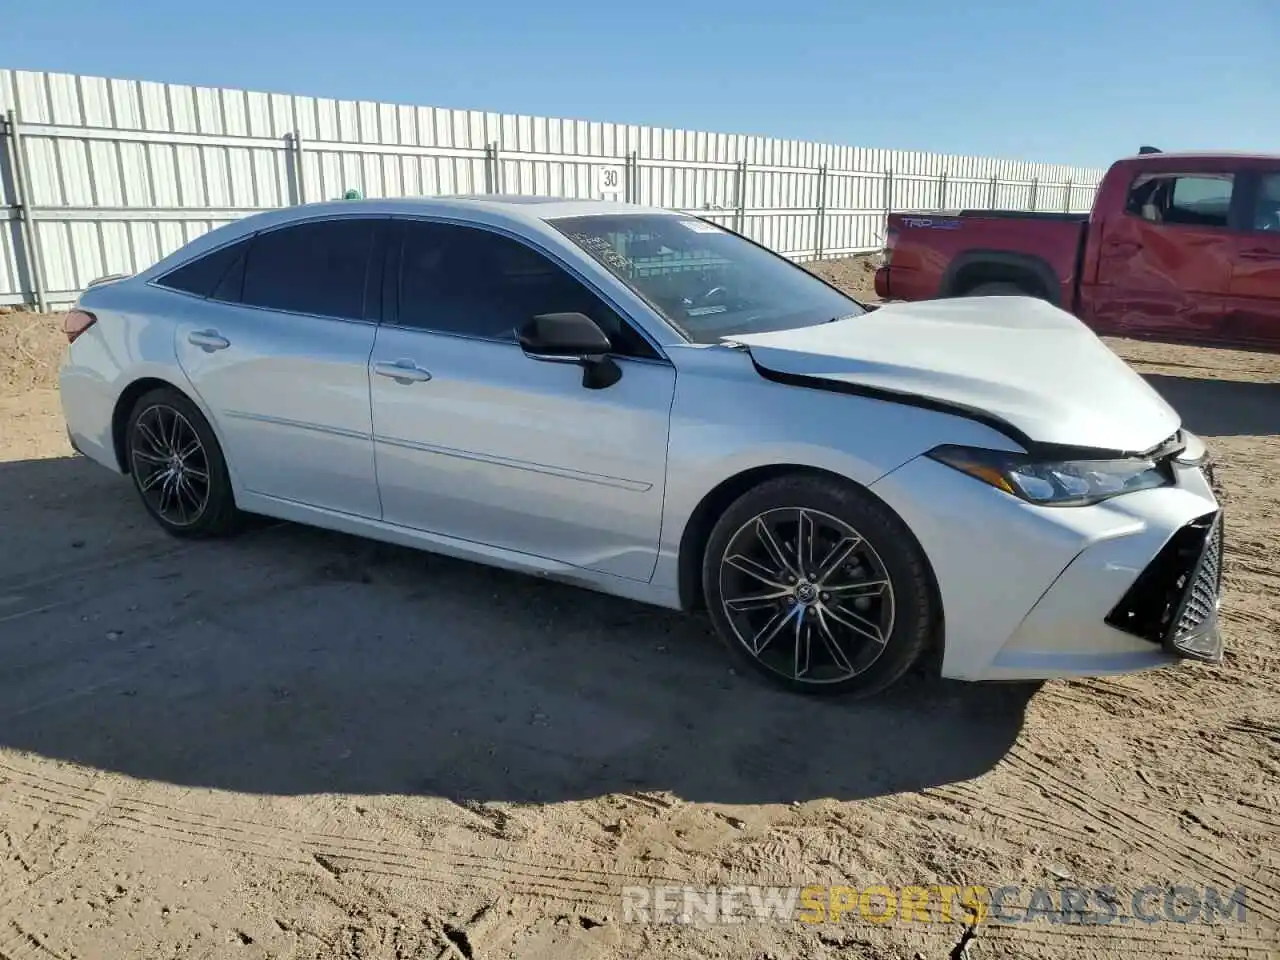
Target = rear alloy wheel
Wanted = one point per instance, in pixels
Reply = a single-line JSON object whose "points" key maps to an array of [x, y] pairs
{"points": [[818, 586], [177, 466]]}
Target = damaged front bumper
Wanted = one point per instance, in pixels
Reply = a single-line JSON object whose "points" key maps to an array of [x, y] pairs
{"points": [[1175, 601]]}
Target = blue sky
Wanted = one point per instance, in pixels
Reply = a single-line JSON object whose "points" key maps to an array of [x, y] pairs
{"points": [[1080, 82]]}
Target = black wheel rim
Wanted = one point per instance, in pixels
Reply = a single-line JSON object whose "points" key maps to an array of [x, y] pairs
{"points": [[806, 595], [170, 465]]}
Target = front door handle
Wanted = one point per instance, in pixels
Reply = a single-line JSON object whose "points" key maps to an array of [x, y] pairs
{"points": [[1260, 255], [208, 340], [401, 371]]}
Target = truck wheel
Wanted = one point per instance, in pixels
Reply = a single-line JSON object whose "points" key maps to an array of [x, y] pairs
{"points": [[1000, 289]]}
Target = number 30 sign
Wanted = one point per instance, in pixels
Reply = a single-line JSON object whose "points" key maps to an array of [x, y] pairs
{"points": [[610, 180]]}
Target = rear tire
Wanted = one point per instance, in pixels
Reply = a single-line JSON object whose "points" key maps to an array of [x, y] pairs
{"points": [[817, 585], [177, 466]]}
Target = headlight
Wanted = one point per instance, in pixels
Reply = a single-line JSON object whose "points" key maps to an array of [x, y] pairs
{"points": [[1054, 483]]}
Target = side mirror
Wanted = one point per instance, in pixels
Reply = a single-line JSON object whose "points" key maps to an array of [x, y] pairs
{"points": [[572, 338], [564, 336]]}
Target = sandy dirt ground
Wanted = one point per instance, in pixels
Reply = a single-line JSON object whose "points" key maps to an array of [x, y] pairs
{"points": [[297, 744]]}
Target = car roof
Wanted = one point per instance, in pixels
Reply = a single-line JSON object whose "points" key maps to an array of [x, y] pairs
{"points": [[520, 214], [516, 206]]}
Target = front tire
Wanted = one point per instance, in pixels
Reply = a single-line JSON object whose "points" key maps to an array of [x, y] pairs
{"points": [[177, 466], [817, 585]]}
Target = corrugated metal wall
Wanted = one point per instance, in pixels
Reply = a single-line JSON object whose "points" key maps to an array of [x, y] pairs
{"points": [[102, 176]]}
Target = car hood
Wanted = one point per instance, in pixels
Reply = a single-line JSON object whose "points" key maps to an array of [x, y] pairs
{"points": [[1023, 365]]}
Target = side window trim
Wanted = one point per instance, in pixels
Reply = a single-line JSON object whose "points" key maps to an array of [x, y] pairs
{"points": [[1233, 208], [373, 301], [391, 274], [623, 315], [235, 267]]}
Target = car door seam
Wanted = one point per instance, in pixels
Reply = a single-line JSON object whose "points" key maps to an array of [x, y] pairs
{"points": [[635, 486], [299, 424]]}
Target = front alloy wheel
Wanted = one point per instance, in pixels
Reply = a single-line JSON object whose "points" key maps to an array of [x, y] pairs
{"points": [[806, 595], [816, 584]]}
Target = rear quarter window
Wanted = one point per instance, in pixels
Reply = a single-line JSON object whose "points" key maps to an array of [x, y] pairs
{"points": [[202, 276]]}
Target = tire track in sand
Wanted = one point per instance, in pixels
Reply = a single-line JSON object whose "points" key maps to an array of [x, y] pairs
{"points": [[1182, 856], [289, 848]]}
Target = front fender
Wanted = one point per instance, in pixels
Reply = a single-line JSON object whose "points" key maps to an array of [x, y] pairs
{"points": [[727, 420]]}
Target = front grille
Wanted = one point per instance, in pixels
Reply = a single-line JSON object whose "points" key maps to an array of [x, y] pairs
{"points": [[1200, 602], [1174, 601]]}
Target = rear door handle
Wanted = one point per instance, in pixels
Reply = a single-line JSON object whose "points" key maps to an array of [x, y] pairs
{"points": [[208, 340], [401, 371]]}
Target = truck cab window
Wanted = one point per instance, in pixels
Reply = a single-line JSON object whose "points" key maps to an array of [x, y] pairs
{"points": [[1202, 200]]}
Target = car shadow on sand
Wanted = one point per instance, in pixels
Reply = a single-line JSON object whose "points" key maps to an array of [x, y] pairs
{"points": [[291, 660], [1222, 408]]}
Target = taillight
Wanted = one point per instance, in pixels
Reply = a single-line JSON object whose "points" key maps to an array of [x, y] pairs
{"points": [[890, 241], [76, 323]]}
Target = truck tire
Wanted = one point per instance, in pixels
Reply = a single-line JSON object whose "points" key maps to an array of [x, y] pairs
{"points": [[1001, 289]]}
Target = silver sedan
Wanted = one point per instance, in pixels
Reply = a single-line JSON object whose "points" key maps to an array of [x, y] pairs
{"points": [[645, 403]]}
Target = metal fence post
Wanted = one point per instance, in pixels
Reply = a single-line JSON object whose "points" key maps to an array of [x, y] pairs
{"points": [[295, 161], [1035, 189], [991, 203], [942, 191], [740, 204], [888, 192], [819, 228], [28, 246], [630, 176], [1066, 205], [492, 169]]}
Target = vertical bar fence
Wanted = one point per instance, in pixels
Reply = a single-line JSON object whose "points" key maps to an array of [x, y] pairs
{"points": [[86, 198]]}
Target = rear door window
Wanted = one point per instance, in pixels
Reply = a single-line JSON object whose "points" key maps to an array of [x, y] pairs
{"points": [[315, 268]]}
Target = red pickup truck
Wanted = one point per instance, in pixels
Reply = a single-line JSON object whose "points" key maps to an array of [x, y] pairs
{"points": [[1178, 247]]}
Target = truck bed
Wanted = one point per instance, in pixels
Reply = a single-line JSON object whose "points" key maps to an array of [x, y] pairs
{"points": [[936, 254], [1025, 215]]}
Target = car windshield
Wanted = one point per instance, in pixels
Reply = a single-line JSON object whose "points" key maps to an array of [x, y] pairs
{"points": [[707, 282]]}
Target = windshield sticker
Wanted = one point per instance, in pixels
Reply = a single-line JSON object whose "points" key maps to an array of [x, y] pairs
{"points": [[700, 226], [602, 250]]}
